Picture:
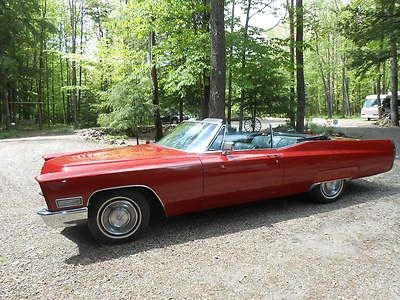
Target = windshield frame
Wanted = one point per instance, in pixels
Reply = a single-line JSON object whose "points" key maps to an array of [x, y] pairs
{"points": [[218, 124]]}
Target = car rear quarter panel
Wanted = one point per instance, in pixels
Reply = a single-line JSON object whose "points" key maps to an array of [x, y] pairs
{"points": [[316, 161]]}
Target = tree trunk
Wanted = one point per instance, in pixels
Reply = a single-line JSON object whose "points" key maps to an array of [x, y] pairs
{"points": [[325, 78], [292, 95], [68, 83], [301, 97], [384, 86], [378, 89], [206, 95], [394, 112], [6, 108], [348, 97], [329, 83], [41, 62], [74, 98], [53, 100], [329, 100], [335, 100], [64, 112], [68, 93], [181, 109], [80, 65], [46, 69], [345, 91], [218, 52], [229, 102], [155, 91], [245, 35], [206, 77]]}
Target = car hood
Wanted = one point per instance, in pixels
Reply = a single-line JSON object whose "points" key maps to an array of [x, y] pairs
{"points": [[64, 162]]}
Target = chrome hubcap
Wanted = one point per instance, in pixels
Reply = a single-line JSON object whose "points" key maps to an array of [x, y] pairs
{"points": [[119, 217], [331, 189]]}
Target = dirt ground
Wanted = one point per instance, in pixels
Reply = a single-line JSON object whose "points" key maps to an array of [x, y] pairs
{"points": [[284, 248]]}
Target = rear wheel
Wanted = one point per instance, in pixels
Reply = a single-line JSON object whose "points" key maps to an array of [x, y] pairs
{"points": [[118, 216], [328, 191]]}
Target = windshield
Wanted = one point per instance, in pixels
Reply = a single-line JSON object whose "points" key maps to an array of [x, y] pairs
{"points": [[370, 103], [190, 136]]}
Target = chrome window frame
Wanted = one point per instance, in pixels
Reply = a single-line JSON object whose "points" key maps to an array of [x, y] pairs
{"points": [[221, 126], [224, 127], [217, 122]]}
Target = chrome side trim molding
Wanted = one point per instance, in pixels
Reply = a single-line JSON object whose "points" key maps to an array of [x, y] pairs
{"points": [[64, 218], [130, 186]]}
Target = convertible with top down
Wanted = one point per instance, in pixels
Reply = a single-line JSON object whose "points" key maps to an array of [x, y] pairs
{"points": [[198, 166]]}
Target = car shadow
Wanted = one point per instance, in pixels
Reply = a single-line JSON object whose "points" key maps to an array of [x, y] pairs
{"points": [[219, 222]]}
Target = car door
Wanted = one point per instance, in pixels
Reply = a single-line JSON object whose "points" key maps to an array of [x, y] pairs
{"points": [[240, 176]]}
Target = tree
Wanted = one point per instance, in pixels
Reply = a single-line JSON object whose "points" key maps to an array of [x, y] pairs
{"points": [[218, 52], [175, 49], [155, 89], [373, 26], [243, 61], [205, 103], [292, 95], [300, 87], [394, 112], [74, 96], [229, 102]]}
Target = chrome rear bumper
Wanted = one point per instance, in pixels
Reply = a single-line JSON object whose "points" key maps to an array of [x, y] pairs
{"points": [[64, 218]]}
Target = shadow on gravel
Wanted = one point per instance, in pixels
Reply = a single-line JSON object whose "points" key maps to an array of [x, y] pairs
{"points": [[219, 222]]}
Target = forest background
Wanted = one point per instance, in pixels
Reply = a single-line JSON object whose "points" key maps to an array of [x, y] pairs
{"points": [[124, 64]]}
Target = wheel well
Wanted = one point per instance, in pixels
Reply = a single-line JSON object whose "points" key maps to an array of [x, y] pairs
{"points": [[157, 209]]}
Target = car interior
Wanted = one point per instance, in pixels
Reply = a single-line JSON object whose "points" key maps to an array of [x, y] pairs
{"points": [[249, 141]]}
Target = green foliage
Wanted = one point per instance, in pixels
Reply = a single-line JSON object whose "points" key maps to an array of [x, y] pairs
{"points": [[8, 134], [128, 104], [343, 43], [320, 129], [117, 137]]}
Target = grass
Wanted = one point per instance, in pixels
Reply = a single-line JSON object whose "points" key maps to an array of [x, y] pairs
{"points": [[117, 137], [35, 131], [8, 134], [321, 129], [355, 116]]}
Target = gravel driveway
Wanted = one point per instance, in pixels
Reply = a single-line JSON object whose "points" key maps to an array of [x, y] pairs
{"points": [[285, 248]]}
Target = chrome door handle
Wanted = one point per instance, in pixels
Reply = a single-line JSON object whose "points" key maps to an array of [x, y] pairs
{"points": [[275, 156]]}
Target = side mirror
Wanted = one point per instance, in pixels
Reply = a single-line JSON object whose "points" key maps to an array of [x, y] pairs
{"points": [[227, 147]]}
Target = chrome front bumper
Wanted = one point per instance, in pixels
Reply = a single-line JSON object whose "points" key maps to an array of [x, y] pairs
{"points": [[64, 218]]}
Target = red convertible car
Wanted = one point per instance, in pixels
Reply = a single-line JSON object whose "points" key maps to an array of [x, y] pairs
{"points": [[198, 166]]}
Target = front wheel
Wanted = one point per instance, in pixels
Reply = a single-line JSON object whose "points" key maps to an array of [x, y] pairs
{"points": [[118, 216], [328, 191]]}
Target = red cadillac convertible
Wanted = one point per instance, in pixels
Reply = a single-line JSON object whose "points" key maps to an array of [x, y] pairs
{"points": [[198, 166]]}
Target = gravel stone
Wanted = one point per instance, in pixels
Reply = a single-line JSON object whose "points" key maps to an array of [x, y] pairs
{"points": [[284, 248]]}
